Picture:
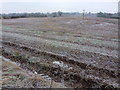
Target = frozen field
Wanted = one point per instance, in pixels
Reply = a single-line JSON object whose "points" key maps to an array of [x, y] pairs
{"points": [[87, 49]]}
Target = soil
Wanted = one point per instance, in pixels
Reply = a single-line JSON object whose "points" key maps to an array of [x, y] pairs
{"points": [[87, 48], [14, 76]]}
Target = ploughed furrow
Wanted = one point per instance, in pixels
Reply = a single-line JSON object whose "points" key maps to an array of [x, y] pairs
{"points": [[57, 46], [86, 74], [112, 45], [99, 57]]}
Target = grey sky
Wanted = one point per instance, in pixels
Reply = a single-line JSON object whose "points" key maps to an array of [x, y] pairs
{"points": [[11, 7]]}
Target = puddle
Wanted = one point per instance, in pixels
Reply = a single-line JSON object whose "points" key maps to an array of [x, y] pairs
{"points": [[61, 64], [103, 24], [68, 22], [117, 40], [45, 76]]}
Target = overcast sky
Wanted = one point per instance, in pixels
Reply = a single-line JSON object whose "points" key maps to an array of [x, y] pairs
{"points": [[11, 6]]}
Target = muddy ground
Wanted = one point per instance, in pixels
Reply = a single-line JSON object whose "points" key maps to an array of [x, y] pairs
{"points": [[75, 52], [16, 77]]}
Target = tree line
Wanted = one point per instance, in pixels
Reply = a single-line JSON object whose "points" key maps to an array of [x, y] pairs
{"points": [[109, 15], [25, 15], [38, 14], [59, 14]]}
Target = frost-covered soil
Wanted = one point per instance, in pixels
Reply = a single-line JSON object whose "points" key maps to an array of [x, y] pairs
{"points": [[93, 41]]}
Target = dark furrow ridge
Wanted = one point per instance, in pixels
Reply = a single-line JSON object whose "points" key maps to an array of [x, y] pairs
{"points": [[86, 81], [64, 58]]}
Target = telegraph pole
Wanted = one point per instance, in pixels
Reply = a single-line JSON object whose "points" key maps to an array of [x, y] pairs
{"points": [[83, 14]]}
